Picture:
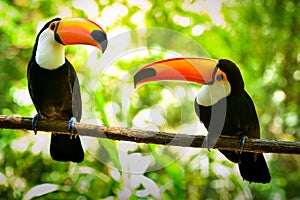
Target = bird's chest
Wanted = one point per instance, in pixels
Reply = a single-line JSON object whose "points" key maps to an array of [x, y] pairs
{"points": [[51, 92], [233, 114]]}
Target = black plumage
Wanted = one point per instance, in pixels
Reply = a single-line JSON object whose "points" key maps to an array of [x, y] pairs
{"points": [[222, 105], [240, 119], [56, 95]]}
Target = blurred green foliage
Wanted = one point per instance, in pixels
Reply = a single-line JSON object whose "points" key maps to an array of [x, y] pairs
{"points": [[261, 37]]}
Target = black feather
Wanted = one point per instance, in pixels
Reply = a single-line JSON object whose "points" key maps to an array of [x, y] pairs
{"points": [[56, 95], [240, 118]]}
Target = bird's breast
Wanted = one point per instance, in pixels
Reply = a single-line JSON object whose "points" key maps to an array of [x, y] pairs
{"points": [[51, 92], [235, 114]]}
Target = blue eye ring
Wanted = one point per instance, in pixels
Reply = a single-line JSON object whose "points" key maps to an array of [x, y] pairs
{"points": [[219, 77]]}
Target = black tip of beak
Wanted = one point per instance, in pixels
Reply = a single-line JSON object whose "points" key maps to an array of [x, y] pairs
{"points": [[146, 73], [100, 37]]}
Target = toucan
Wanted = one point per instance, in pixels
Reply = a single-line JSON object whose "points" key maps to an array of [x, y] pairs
{"points": [[222, 105], [52, 81]]}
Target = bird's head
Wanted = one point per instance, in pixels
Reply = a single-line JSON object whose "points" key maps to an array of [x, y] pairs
{"points": [[49, 47], [219, 77]]}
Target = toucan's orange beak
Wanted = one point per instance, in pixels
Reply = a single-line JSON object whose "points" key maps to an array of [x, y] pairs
{"points": [[195, 70], [79, 31]]}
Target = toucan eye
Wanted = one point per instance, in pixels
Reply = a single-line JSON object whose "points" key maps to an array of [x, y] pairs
{"points": [[219, 77], [52, 26]]}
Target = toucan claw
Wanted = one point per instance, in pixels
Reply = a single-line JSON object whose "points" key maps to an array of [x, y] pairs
{"points": [[209, 141], [34, 122], [71, 126], [242, 141], [206, 144]]}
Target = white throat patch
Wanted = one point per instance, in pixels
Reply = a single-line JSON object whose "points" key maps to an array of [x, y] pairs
{"points": [[49, 54], [211, 94]]}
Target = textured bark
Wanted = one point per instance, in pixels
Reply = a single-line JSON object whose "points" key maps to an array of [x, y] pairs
{"points": [[142, 136]]}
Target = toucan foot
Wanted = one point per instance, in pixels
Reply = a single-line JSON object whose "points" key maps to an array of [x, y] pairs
{"points": [[242, 141], [209, 141], [34, 122], [206, 143], [71, 126]]}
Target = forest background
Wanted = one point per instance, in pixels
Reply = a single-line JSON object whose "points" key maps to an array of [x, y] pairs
{"points": [[261, 37]]}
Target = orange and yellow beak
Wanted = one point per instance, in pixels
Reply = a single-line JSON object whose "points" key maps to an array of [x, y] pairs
{"points": [[195, 70], [79, 31]]}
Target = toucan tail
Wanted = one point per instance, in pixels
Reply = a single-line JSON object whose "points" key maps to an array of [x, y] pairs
{"points": [[253, 167], [233, 156], [63, 148]]}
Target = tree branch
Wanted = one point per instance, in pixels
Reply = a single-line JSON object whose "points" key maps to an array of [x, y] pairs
{"points": [[142, 136]]}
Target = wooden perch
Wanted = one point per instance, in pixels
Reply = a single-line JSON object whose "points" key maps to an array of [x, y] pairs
{"points": [[142, 136]]}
